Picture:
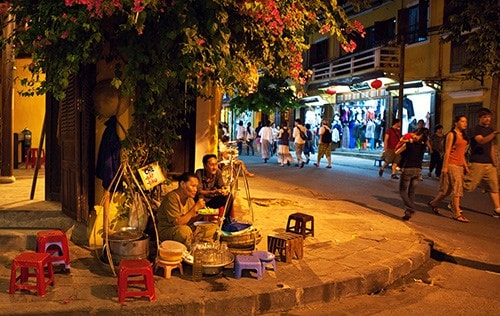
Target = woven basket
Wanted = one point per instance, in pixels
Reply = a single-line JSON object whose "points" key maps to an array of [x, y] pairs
{"points": [[242, 251], [244, 240]]}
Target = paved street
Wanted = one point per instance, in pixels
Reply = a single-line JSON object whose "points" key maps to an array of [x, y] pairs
{"points": [[463, 275]]}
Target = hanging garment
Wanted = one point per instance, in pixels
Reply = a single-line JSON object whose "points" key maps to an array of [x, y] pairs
{"points": [[108, 158]]}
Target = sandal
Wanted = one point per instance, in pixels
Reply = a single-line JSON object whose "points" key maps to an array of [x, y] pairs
{"points": [[461, 218], [408, 214], [435, 209]]}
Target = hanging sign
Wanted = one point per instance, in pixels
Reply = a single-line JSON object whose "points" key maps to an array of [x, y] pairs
{"points": [[151, 175]]}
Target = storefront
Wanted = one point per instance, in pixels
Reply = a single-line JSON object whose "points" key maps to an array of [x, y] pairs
{"points": [[362, 114]]}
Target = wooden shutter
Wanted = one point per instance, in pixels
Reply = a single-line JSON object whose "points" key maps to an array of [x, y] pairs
{"points": [[77, 141]]}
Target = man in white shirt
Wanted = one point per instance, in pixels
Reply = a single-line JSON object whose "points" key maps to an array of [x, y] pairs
{"points": [[241, 135], [299, 142], [266, 139]]}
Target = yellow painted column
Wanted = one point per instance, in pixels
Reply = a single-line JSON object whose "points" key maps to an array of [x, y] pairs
{"points": [[207, 120]]}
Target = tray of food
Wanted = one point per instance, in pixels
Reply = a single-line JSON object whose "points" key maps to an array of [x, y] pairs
{"points": [[208, 211]]}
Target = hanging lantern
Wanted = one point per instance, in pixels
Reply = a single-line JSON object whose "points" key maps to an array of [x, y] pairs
{"points": [[376, 84], [330, 91]]}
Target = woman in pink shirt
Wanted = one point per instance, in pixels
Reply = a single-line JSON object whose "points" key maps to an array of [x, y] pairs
{"points": [[454, 167]]}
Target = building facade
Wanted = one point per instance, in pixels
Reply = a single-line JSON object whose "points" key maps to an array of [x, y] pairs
{"points": [[365, 83]]}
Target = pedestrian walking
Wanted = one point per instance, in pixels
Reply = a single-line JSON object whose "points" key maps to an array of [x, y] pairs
{"points": [[437, 144], [454, 167], [250, 138], [483, 159], [391, 139], [240, 136], [308, 147], [325, 140], [257, 137], [284, 156], [299, 139], [411, 170], [266, 139]]}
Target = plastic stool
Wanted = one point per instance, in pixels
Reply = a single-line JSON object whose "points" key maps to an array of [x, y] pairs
{"points": [[31, 156], [299, 226], [131, 268], [378, 161], [36, 261], [168, 267], [247, 263], [266, 258], [55, 243]]}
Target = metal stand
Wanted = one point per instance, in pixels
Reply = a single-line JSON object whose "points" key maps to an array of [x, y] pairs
{"points": [[233, 171]]}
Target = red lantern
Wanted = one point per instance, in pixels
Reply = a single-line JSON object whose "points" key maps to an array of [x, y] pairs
{"points": [[376, 84], [330, 91]]}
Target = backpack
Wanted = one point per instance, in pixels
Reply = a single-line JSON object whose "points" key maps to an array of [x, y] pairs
{"points": [[309, 135], [326, 138]]}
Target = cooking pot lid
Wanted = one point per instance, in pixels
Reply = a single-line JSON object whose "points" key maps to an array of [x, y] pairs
{"points": [[126, 235]]}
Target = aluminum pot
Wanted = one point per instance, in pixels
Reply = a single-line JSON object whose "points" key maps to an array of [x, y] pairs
{"points": [[129, 249]]}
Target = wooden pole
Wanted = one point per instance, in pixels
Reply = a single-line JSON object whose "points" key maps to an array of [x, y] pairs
{"points": [[38, 159], [6, 155], [401, 79]]}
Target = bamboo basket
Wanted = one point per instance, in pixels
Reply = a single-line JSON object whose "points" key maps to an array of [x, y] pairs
{"points": [[244, 240]]}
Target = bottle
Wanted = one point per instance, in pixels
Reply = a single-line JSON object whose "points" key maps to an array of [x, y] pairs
{"points": [[197, 265]]}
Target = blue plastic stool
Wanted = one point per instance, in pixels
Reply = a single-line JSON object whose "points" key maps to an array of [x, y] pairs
{"points": [[247, 263], [266, 258]]}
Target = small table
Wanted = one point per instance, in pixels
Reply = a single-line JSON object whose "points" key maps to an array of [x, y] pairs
{"points": [[288, 246]]}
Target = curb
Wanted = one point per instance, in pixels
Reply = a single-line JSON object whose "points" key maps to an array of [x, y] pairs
{"points": [[254, 298]]}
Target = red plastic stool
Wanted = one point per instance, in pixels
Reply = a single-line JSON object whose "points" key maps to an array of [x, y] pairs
{"points": [[31, 155], [134, 268], [55, 243], [36, 261]]}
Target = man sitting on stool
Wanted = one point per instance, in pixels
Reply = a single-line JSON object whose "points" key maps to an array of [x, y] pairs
{"points": [[211, 186]]}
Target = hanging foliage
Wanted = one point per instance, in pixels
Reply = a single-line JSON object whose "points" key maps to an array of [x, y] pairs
{"points": [[166, 52], [272, 94]]}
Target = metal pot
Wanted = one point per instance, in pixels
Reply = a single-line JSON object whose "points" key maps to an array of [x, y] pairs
{"points": [[129, 249], [126, 234]]}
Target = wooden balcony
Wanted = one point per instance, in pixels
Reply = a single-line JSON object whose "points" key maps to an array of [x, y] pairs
{"points": [[346, 69]]}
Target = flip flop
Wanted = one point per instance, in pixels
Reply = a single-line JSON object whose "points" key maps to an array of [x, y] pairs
{"points": [[461, 218], [408, 215], [435, 209]]}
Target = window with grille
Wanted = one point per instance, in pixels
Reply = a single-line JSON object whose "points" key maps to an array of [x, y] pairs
{"points": [[458, 56], [412, 22]]}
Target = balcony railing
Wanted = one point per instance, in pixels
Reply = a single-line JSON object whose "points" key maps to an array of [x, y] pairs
{"points": [[380, 58]]}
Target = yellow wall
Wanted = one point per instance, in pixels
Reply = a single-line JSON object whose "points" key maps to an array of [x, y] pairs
{"points": [[28, 111]]}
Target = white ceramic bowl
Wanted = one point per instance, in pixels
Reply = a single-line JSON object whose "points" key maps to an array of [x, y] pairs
{"points": [[171, 250]]}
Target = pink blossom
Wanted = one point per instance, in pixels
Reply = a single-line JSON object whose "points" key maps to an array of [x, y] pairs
{"points": [[201, 41], [324, 29], [64, 35], [138, 6]]}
